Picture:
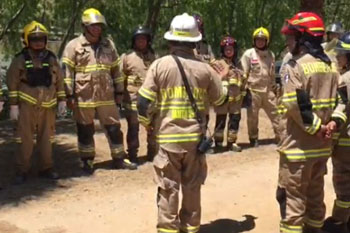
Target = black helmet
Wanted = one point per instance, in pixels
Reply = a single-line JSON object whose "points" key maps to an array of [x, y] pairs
{"points": [[141, 30], [335, 28], [343, 44]]}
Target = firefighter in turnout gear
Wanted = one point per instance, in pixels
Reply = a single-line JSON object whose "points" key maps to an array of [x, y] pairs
{"points": [[258, 66], [334, 31], [236, 90], [178, 132], [94, 86], [35, 84], [310, 82], [203, 50], [134, 68], [337, 223]]}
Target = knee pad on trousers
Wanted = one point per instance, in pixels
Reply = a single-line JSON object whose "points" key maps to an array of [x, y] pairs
{"points": [[114, 133], [220, 122], [281, 197], [234, 120], [86, 133]]}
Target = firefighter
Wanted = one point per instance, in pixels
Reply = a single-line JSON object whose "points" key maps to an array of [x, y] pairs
{"points": [[203, 50], [35, 85], [258, 66], [236, 89], [337, 223], [178, 132], [334, 31], [310, 82], [94, 86], [134, 68]]}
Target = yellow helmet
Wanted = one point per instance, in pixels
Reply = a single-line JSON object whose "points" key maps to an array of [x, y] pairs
{"points": [[92, 16], [261, 32], [33, 28]]}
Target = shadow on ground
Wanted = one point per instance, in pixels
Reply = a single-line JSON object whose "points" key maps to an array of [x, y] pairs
{"points": [[65, 157], [229, 225]]}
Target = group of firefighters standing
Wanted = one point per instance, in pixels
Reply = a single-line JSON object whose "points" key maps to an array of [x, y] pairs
{"points": [[307, 108]]}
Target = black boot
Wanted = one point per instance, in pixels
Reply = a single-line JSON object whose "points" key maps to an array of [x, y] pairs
{"points": [[88, 166], [332, 226], [20, 178], [124, 164], [254, 142], [49, 174], [310, 229]]}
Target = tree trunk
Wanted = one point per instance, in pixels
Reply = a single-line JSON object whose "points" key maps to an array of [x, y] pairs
{"points": [[12, 21], [76, 11], [315, 6], [154, 7]]}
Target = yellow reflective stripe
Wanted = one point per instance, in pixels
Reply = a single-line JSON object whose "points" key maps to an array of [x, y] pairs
{"points": [[148, 94], [68, 81], [342, 204], [116, 63], [86, 150], [281, 109], [298, 154], [335, 136], [339, 114], [144, 120], [69, 62], [323, 103], [91, 68], [61, 93], [118, 80], [190, 229], [49, 104], [343, 141], [167, 230], [289, 97], [285, 228], [316, 124], [224, 83], [175, 138], [182, 33], [313, 223], [235, 81], [95, 104], [344, 45], [166, 105], [27, 97], [304, 20], [235, 99], [220, 101], [17, 140], [316, 29], [13, 94]]}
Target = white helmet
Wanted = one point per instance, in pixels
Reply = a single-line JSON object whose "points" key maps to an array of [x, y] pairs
{"points": [[183, 28]]}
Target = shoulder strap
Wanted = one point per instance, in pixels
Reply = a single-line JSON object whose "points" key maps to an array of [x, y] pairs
{"points": [[188, 90]]}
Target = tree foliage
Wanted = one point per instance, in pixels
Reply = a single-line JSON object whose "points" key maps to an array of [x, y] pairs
{"points": [[221, 17]]}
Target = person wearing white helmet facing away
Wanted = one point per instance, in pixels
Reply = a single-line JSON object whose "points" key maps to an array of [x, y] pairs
{"points": [[173, 97]]}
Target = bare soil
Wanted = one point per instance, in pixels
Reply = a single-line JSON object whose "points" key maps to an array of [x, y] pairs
{"points": [[238, 196]]}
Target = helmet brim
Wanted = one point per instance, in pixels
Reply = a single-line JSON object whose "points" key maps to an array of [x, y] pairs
{"points": [[169, 36]]}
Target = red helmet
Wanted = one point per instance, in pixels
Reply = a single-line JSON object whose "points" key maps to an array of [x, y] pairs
{"points": [[304, 22], [227, 41]]}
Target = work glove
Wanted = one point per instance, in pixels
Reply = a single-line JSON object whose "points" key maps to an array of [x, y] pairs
{"points": [[62, 108], [14, 112], [1, 106]]}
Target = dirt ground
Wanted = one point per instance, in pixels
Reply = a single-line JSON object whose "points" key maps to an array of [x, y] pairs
{"points": [[238, 196]]}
